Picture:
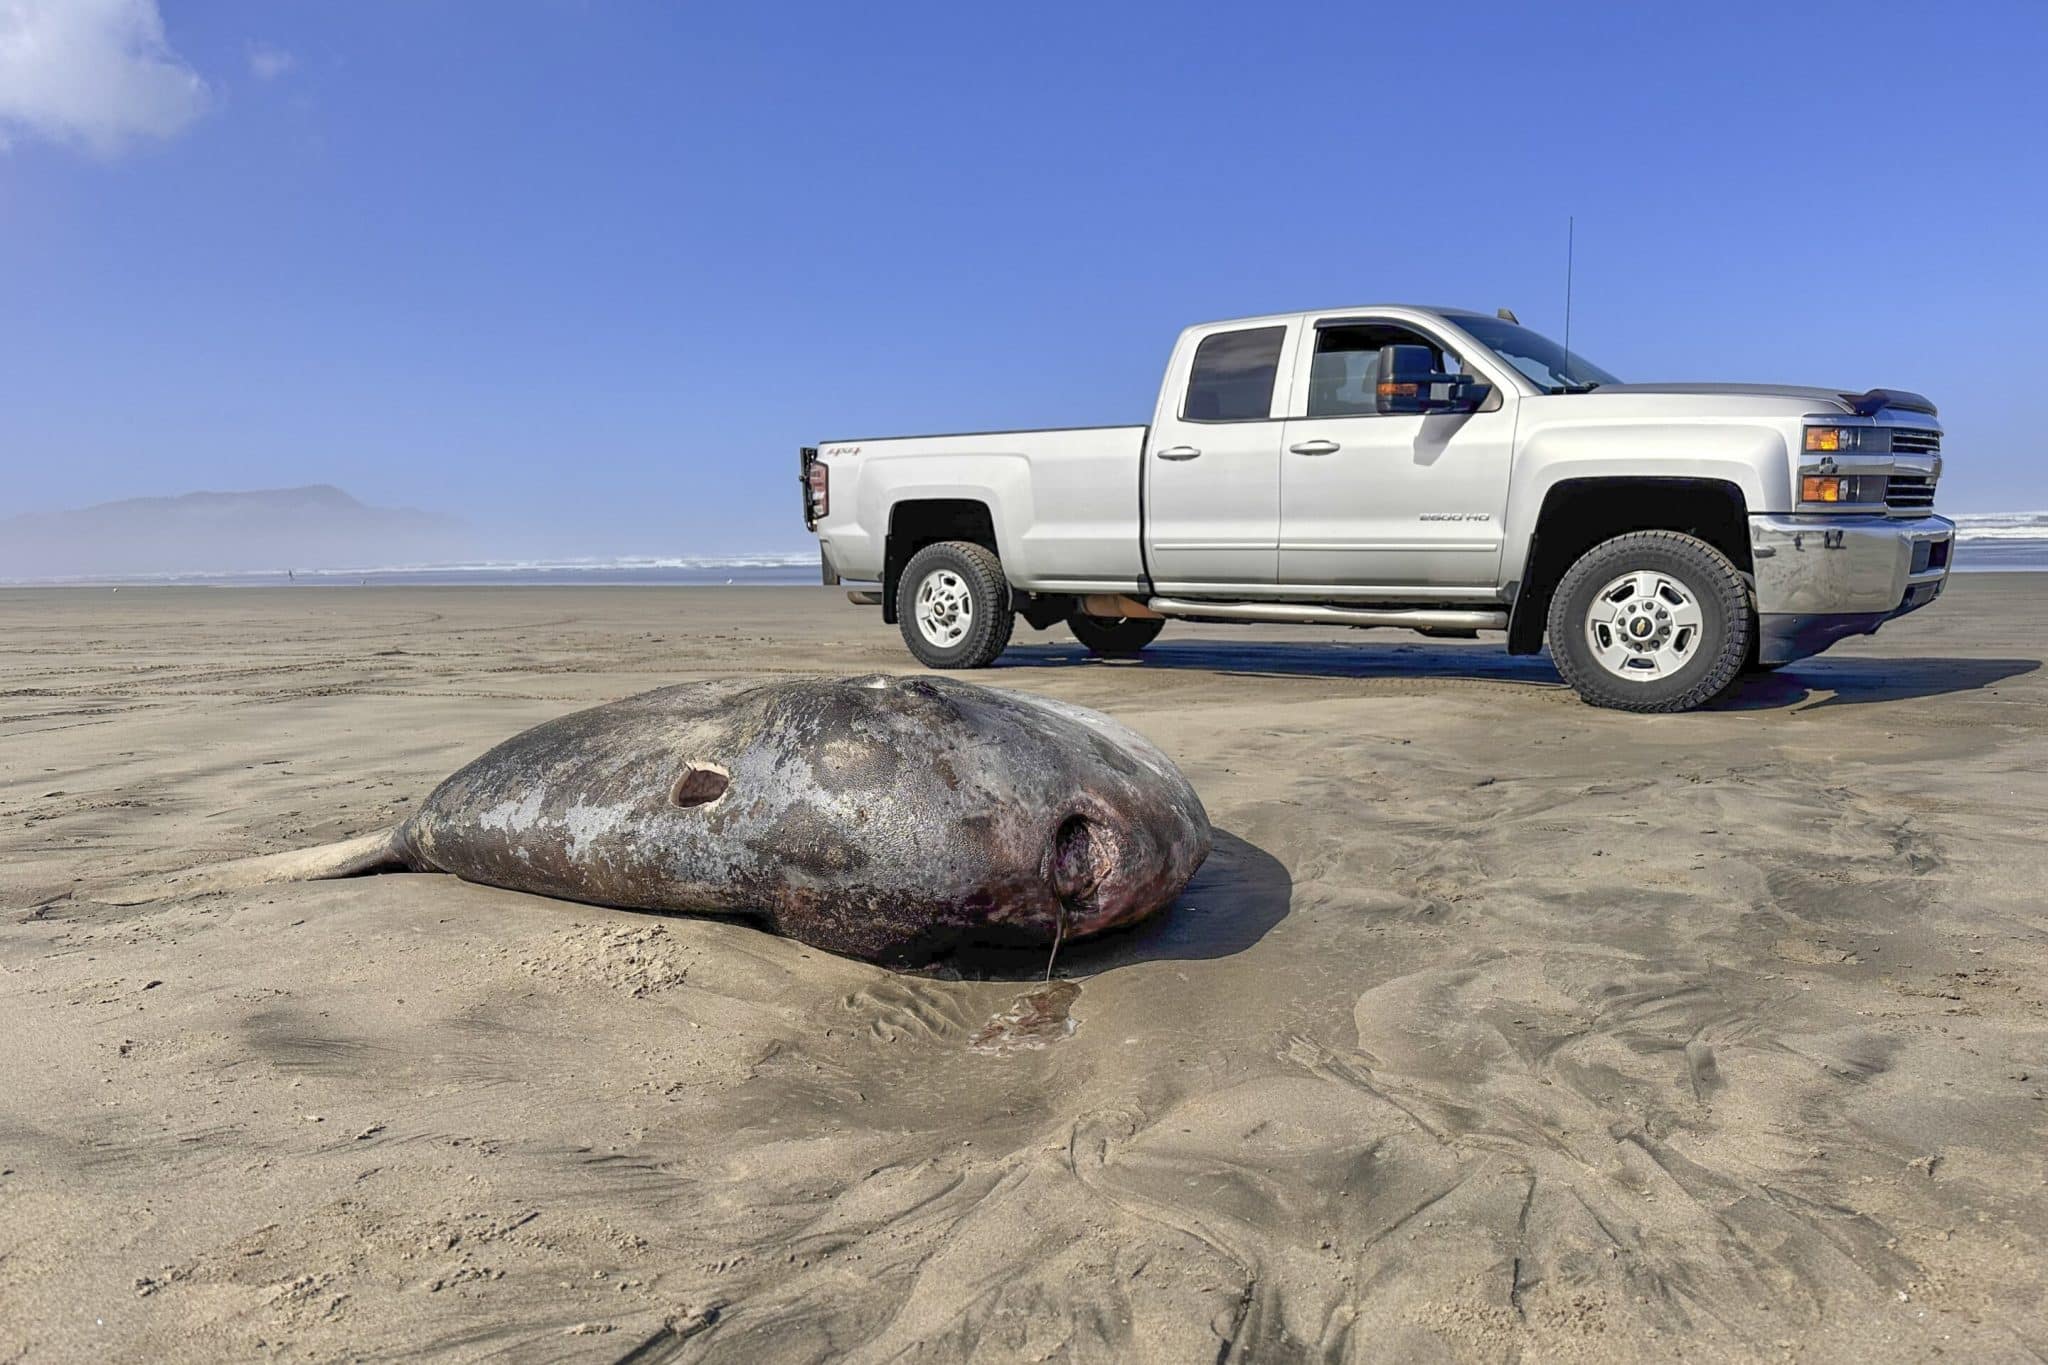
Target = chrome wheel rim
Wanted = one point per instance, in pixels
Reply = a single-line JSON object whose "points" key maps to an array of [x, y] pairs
{"points": [[1645, 626], [945, 608]]}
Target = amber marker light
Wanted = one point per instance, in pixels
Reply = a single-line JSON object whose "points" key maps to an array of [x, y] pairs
{"points": [[1823, 487]]}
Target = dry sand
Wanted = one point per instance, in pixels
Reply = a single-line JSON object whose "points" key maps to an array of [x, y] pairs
{"points": [[1497, 1027]]}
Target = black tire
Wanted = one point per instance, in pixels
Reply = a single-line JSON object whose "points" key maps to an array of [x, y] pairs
{"points": [[975, 572], [1115, 635], [1727, 622]]}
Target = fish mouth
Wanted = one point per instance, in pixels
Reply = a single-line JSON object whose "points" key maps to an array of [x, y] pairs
{"points": [[1086, 857], [1105, 874], [1079, 862]]}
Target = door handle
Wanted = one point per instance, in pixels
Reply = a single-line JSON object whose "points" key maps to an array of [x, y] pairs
{"points": [[1178, 453], [1316, 448]]}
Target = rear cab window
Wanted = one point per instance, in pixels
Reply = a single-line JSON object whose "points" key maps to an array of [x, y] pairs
{"points": [[1233, 375]]}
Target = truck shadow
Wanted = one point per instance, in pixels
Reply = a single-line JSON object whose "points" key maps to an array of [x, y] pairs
{"points": [[1852, 681], [1239, 894], [1835, 680], [1327, 659]]}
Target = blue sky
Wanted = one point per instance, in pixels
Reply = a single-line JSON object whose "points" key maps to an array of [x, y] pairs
{"points": [[588, 273]]}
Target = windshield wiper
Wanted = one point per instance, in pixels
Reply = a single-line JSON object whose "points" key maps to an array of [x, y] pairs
{"points": [[1586, 387]]}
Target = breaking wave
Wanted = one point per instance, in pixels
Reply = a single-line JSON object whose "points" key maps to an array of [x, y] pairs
{"points": [[2002, 526], [2001, 540]]}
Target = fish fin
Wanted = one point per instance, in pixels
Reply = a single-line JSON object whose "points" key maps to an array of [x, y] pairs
{"points": [[367, 853]]}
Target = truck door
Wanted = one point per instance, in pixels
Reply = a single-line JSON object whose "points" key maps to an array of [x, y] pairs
{"points": [[1400, 504], [1212, 462]]}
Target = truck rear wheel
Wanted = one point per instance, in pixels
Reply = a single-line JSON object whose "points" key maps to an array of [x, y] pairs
{"points": [[1115, 635], [1651, 621], [953, 605]]}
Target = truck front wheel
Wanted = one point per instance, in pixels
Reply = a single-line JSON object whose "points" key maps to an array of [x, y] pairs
{"points": [[1113, 636], [953, 605], [1651, 621]]}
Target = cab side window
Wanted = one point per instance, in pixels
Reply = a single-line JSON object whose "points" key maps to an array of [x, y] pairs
{"points": [[1344, 374], [1233, 374]]}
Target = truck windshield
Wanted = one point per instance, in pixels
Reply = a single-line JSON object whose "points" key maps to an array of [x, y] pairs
{"points": [[1540, 359]]}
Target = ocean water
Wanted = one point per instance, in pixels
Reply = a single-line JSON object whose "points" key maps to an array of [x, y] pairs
{"points": [[797, 567], [1986, 542]]}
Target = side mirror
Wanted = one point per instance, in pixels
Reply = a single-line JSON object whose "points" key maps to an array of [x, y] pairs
{"points": [[1409, 382]]}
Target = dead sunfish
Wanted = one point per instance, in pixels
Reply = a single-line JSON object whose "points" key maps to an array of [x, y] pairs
{"points": [[884, 818]]}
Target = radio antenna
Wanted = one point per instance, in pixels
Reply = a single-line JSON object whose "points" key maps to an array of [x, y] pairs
{"points": [[1571, 225]]}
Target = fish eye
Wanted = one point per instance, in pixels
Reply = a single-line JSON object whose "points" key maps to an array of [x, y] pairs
{"points": [[700, 785]]}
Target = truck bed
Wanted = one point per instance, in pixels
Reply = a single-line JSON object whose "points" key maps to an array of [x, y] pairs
{"points": [[1068, 495]]}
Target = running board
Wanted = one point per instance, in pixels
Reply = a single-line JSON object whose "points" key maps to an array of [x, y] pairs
{"points": [[1410, 618]]}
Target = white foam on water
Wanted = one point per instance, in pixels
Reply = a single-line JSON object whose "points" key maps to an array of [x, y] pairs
{"points": [[775, 566]]}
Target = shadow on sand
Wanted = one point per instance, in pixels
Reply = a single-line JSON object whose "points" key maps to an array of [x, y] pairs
{"points": [[1240, 893], [1848, 681], [1322, 659]]}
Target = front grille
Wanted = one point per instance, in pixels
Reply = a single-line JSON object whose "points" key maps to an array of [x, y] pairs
{"points": [[1909, 493], [1914, 441]]}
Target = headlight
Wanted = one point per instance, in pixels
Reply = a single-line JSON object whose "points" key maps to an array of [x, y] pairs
{"points": [[1850, 440]]}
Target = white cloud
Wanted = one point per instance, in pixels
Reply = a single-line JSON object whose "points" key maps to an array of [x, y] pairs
{"points": [[267, 63], [95, 72]]}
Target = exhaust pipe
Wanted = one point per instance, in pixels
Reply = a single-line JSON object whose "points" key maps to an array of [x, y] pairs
{"points": [[1111, 606]]}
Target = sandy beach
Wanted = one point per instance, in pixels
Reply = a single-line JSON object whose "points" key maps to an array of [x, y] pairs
{"points": [[1496, 1028]]}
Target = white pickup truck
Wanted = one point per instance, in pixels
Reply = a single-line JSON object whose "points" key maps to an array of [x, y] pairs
{"points": [[1432, 469]]}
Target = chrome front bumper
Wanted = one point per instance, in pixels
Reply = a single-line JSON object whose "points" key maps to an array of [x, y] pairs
{"points": [[1820, 578]]}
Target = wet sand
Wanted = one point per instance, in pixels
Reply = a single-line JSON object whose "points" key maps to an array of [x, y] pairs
{"points": [[1496, 1028]]}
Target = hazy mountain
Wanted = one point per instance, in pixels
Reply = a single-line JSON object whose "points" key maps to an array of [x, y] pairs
{"points": [[267, 529]]}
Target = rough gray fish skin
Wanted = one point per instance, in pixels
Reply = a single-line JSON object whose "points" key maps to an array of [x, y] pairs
{"points": [[883, 818]]}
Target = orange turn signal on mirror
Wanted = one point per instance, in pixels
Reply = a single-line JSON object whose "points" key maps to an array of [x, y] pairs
{"points": [[1823, 488]]}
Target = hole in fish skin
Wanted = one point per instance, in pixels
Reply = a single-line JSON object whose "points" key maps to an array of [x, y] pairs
{"points": [[701, 784]]}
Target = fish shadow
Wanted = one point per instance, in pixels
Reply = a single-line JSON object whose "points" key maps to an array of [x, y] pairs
{"points": [[1239, 893]]}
